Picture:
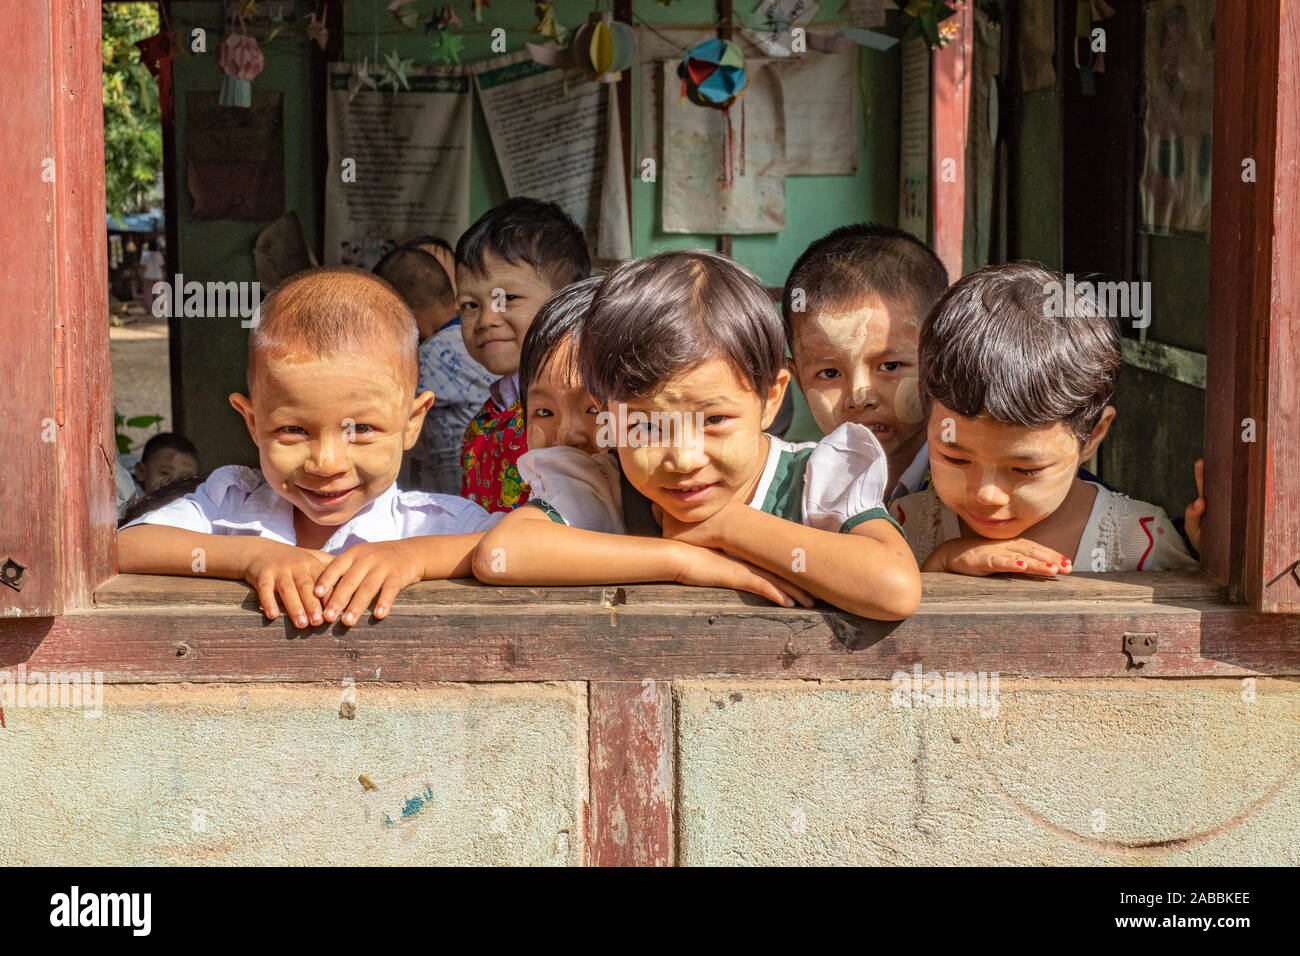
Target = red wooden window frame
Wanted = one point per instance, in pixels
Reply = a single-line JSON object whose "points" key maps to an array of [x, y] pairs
{"points": [[56, 509]]}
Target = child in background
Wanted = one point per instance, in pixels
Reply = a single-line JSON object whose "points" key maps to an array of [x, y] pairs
{"points": [[458, 383], [331, 407], [167, 456], [686, 357], [1016, 397], [853, 308], [507, 265], [561, 416], [441, 250]]}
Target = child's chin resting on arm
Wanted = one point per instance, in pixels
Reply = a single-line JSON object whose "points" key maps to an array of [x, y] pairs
{"points": [[693, 489], [1016, 387]]}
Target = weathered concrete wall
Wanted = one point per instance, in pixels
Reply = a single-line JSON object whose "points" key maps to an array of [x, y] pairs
{"points": [[768, 772], [795, 772], [250, 773]]}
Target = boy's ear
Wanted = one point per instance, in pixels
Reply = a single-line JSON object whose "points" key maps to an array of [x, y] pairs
{"points": [[772, 403], [244, 405], [419, 408], [1098, 433], [138, 472]]}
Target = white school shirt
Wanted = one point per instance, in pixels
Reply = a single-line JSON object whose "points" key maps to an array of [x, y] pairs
{"points": [[236, 500], [833, 484], [1122, 533]]}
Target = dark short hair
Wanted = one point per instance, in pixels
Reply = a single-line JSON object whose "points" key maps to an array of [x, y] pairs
{"points": [[559, 320], [1006, 342], [531, 231], [164, 440], [438, 241], [657, 317], [163, 494], [417, 276], [864, 261]]}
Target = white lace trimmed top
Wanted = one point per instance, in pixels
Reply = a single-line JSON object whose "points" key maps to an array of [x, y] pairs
{"points": [[1122, 534]]}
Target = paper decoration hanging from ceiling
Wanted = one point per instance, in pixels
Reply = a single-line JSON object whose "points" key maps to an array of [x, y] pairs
{"points": [[603, 48], [713, 74], [239, 60]]}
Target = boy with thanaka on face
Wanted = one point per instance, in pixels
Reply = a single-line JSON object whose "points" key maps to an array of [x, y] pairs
{"points": [[508, 263], [853, 307], [331, 406], [446, 367], [685, 357], [1016, 397]]}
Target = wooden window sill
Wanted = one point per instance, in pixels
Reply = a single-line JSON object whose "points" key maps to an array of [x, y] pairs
{"points": [[148, 628]]}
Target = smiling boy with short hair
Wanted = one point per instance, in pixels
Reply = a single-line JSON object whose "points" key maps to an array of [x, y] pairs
{"points": [[507, 265], [331, 406]]}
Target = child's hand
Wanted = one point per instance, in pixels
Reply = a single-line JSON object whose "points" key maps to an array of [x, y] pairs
{"points": [[704, 567], [277, 568], [364, 570], [1196, 510], [983, 556]]}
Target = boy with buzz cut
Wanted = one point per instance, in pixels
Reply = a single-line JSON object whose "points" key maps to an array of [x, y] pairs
{"points": [[331, 406], [853, 308], [507, 265]]}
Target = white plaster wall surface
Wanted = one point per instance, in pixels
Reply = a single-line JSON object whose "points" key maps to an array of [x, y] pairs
{"points": [[1113, 772], [255, 773]]}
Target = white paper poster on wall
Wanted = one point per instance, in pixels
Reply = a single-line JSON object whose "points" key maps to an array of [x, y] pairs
{"points": [[695, 155], [549, 133], [398, 163]]}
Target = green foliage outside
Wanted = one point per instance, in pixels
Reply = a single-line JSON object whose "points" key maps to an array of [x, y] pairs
{"points": [[132, 130]]}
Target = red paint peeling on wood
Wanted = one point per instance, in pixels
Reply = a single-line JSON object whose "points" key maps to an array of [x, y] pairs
{"points": [[631, 773]]}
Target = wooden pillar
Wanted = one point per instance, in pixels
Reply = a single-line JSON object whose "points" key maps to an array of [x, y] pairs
{"points": [[632, 773], [1252, 420]]}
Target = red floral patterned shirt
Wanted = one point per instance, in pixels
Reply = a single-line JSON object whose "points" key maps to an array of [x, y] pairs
{"points": [[494, 440]]}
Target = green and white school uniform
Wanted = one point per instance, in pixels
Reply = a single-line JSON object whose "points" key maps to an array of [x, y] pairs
{"points": [[834, 484]]}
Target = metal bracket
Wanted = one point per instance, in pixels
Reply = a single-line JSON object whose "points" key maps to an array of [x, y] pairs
{"points": [[13, 573], [1139, 645]]}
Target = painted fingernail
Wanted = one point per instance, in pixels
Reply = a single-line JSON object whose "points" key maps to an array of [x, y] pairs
{"points": [[1051, 565], [1064, 559], [1020, 564]]}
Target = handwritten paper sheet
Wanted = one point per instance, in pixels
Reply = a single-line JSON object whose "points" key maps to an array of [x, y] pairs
{"points": [[411, 155], [549, 132], [914, 141], [820, 95], [694, 150]]}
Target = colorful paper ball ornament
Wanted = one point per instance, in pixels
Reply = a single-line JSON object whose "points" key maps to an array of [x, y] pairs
{"points": [[713, 73], [240, 60], [603, 47]]}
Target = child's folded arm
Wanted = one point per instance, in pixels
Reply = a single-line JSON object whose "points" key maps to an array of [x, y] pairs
{"points": [[530, 547], [868, 570]]}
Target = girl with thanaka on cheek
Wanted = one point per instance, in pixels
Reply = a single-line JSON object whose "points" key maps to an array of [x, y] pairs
{"points": [[1017, 397], [853, 307], [685, 357], [331, 375]]}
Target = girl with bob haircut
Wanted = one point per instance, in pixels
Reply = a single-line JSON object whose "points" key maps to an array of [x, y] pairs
{"points": [[685, 357], [1016, 382]]}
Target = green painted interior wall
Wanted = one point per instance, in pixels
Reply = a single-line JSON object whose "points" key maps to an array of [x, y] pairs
{"points": [[212, 354]]}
